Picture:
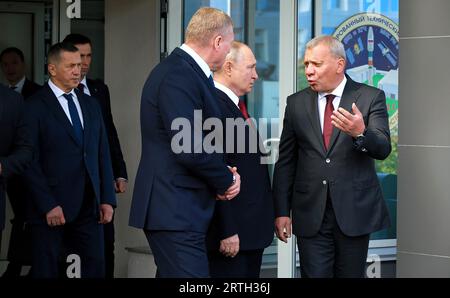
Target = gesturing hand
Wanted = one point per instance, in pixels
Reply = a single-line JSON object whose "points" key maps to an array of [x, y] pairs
{"points": [[351, 124]]}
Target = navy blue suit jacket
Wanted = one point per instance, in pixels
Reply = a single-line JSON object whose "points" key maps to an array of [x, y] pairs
{"points": [[61, 166], [100, 92], [176, 191], [250, 214], [15, 146]]}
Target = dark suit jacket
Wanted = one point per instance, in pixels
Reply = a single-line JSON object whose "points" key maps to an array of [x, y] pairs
{"points": [[305, 170], [250, 214], [15, 146], [176, 191], [61, 167], [15, 187], [29, 88], [100, 91]]}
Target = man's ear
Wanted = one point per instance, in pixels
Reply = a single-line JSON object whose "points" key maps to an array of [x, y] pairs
{"points": [[341, 65], [227, 67], [51, 69], [218, 42]]}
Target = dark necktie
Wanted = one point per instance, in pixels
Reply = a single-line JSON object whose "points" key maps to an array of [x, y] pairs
{"points": [[76, 123], [13, 88], [211, 80], [327, 126], [81, 88], [243, 109]]}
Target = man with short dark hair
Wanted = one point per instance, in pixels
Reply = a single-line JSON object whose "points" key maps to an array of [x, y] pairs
{"points": [[12, 62], [70, 179], [99, 90]]}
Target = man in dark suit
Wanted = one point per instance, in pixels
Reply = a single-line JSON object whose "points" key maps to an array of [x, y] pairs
{"points": [[70, 179], [12, 61], [177, 181], [98, 90], [243, 227], [333, 131], [13, 65], [15, 147]]}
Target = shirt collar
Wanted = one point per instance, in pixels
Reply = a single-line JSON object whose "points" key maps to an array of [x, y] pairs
{"points": [[57, 91], [83, 82], [19, 85], [199, 60], [228, 92], [336, 92]]}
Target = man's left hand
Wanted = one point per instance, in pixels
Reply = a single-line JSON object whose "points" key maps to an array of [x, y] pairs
{"points": [[106, 213], [351, 124], [120, 185]]}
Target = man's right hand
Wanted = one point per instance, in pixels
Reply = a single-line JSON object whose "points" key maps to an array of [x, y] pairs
{"points": [[55, 217], [283, 228], [234, 189]]}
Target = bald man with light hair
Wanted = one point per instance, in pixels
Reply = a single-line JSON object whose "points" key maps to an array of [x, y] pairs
{"points": [[242, 228], [176, 190]]}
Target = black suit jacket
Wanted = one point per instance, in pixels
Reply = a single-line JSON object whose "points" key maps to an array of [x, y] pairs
{"points": [[15, 146], [100, 91], [29, 88], [250, 214], [176, 189], [305, 171], [61, 166]]}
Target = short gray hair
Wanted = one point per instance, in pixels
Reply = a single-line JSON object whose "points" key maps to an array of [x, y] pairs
{"points": [[336, 47]]}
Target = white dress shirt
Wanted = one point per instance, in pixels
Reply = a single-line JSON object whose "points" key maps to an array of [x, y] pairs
{"points": [[86, 89], [63, 101], [322, 101], [19, 85], [202, 63], [228, 92]]}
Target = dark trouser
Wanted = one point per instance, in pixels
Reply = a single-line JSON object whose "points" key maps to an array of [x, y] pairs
{"points": [[83, 237], [246, 264], [330, 253], [179, 254], [109, 248], [19, 249]]}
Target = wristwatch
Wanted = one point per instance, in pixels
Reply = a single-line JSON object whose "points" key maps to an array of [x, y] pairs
{"points": [[358, 142]]}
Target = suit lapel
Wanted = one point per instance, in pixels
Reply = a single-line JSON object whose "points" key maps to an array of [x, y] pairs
{"points": [[56, 109], [349, 96], [185, 56], [312, 110], [230, 104]]}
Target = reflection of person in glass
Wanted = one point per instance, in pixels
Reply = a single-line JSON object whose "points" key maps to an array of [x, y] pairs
{"points": [[333, 131]]}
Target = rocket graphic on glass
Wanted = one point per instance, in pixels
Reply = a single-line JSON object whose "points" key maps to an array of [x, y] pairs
{"points": [[370, 48]]}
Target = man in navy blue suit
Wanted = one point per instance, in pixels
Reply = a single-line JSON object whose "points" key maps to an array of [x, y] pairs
{"points": [[70, 178], [243, 227], [99, 90], [175, 191], [15, 147]]}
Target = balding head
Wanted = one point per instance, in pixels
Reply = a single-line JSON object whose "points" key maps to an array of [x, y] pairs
{"points": [[238, 73]]}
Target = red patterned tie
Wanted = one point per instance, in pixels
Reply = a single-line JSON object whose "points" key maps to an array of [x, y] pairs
{"points": [[243, 109], [327, 126]]}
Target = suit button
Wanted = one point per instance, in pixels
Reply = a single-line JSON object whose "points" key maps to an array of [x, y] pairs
{"points": [[324, 182], [328, 160], [85, 154]]}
